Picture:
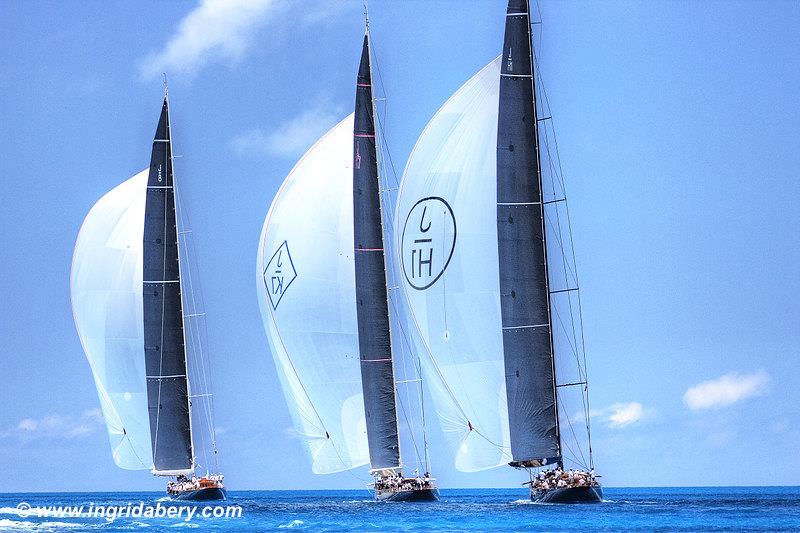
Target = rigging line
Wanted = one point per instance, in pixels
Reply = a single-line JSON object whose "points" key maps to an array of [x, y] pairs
{"points": [[392, 274], [196, 334], [567, 269], [385, 111], [582, 462], [580, 306], [574, 342], [575, 353], [411, 433], [566, 333], [407, 345]]}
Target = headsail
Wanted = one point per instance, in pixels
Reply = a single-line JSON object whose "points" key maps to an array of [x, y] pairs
{"points": [[524, 288], [447, 237], [164, 350], [106, 290], [374, 337], [306, 292]]}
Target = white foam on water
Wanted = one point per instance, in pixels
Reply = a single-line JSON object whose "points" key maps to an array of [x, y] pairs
{"points": [[6, 524], [293, 523], [184, 524], [60, 524]]}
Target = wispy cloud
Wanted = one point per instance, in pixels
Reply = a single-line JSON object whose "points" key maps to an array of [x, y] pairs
{"points": [[214, 30], [225, 30], [292, 136], [725, 390], [620, 415], [58, 426]]}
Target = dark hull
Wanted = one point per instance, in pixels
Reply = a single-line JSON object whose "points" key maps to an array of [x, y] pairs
{"points": [[419, 495], [201, 495], [570, 495]]}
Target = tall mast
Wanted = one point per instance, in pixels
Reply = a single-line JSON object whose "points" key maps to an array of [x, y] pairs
{"points": [[164, 336], [522, 249], [372, 306]]}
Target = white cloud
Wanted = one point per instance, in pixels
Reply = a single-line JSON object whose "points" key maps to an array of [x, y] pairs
{"points": [[725, 390], [620, 415], [215, 29], [59, 426], [225, 30], [293, 136], [625, 414]]}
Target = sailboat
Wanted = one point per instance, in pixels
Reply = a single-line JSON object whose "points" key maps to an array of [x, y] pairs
{"points": [[322, 286], [128, 300], [475, 236]]}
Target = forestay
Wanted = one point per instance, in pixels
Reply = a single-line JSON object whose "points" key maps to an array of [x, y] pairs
{"points": [[106, 290], [447, 239], [306, 292]]}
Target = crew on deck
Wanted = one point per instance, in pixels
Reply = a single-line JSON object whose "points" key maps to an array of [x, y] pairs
{"points": [[398, 483], [559, 479]]}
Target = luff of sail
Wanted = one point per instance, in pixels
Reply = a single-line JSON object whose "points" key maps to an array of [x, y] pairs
{"points": [[447, 237], [306, 292], [524, 289], [164, 349], [106, 293], [374, 336]]}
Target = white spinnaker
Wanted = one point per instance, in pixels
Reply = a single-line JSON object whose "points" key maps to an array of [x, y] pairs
{"points": [[457, 316], [106, 290], [306, 292]]}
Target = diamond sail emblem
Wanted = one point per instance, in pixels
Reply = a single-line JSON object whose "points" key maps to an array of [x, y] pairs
{"points": [[279, 274]]}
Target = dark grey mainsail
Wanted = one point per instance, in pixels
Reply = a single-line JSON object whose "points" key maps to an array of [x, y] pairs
{"points": [[377, 375], [165, 355], [524, 292]]}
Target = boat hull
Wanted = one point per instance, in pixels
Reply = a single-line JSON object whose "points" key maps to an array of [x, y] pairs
{"points": [[570, 495], [416, 495], [204, 494]]}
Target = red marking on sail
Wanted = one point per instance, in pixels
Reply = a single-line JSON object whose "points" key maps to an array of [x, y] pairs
{"points": [[363, 85], [369, 249], [370, 135]]}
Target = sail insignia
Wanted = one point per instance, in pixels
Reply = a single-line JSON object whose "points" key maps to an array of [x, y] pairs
{"points": [[313, 340]]}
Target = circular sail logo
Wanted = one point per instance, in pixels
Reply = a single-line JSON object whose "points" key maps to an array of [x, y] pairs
{"points": [[428, 241]]}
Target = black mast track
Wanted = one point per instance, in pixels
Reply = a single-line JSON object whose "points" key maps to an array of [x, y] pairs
{"points": [[164, 350], [374, 342], [524, 292]]}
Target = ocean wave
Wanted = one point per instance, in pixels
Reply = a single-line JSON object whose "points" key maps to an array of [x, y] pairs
{"points": [[6, 524], [293, 523]]}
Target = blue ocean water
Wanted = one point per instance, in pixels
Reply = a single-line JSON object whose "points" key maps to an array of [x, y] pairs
{"points": [[625, 509]]}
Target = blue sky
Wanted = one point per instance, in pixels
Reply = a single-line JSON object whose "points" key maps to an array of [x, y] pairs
{"points": [[677, 128]]}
